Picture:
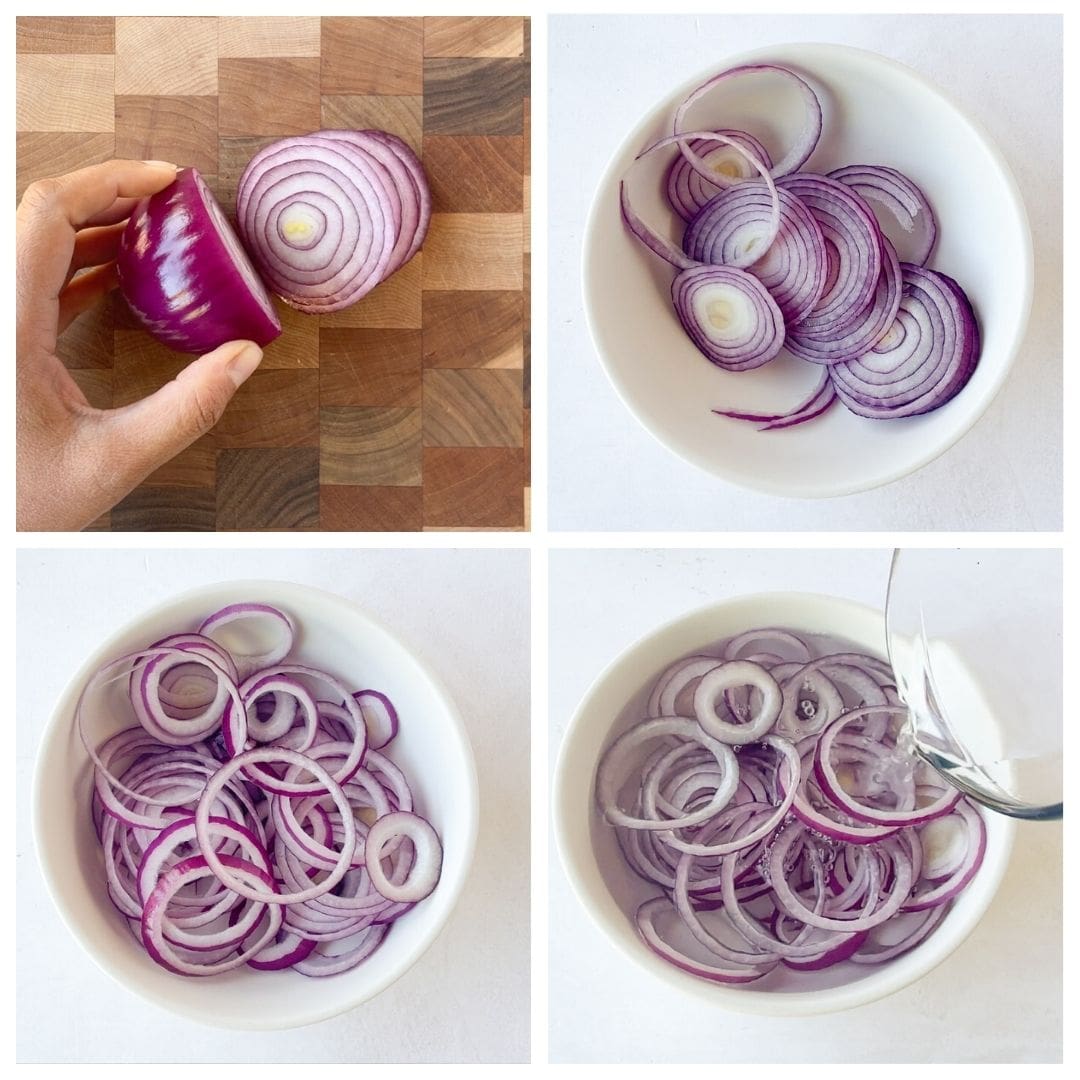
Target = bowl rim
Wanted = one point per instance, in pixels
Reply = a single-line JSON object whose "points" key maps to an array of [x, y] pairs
{"points": [[60, 717], [874, 986], [600, 204]]}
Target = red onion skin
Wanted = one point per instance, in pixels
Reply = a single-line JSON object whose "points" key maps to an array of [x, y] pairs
{"points": [[180, 280]]}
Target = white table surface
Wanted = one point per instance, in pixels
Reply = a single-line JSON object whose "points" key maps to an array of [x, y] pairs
{"points": [[466, 613], [998, 998], [608, 472]]}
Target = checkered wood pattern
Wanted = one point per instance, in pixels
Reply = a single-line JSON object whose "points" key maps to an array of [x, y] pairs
{"points": [[409, 410]]}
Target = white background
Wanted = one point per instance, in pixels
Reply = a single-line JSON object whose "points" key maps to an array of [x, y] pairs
{"points": [[606, 471], [465, 613], [998, 998]]}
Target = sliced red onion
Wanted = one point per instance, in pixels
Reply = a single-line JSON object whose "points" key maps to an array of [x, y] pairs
{"points": [[185, 275], [797, 155], [729, 315], [320, 963], [679, 682], [725, 677], [942, 891], [427, 861], [608, 777], [820, 398], [852, 247], [734, 230], [825, 247], [767, 856], [248, 662], [174, 879], [925, 358], [903, 203], [327, 216], [688, 191], [217, 855], [826, 775], [380, 717], [648, 912], [865, 332], [657, 243]]}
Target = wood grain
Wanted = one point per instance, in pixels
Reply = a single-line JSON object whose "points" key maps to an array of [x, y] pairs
{"points": [[370, 367], [63, 93], [268, 489], [474, 173], [269, 36], [478, 35], [166, 509], [64, 34], [329, 432], [233, 155], [473, 330], [473, 251], [276, 96], [473, 97], [472, 408], [475, 487], [371, 508], [401, 114], [194, 467], [166, 55], [526, 337], [48, 153], [370, 446], [526, 124], [298, 346], [273, 408], [372, 56], [164, 128]]}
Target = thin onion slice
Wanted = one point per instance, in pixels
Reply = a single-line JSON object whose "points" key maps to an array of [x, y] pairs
{"points": [[729, 315]]}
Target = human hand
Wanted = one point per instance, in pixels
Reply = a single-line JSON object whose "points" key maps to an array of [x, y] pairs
{"points": [[75, 462]]}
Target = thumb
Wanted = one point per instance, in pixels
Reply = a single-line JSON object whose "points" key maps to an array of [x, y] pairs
{"points": [[155, 429]]}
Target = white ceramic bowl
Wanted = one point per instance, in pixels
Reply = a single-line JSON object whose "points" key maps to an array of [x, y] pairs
{"points": [[876, 111], [432, 748], [611, 892]]}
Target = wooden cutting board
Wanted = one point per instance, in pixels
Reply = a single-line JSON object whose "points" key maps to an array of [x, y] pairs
{"points": [[409, 410]]}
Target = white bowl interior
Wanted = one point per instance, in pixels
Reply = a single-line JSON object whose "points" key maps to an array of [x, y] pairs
{"points": [[876, 111], [611, 892], [432, 748]]}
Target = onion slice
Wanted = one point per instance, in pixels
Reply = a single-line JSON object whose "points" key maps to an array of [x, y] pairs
{"points": [[729, 315], [804, 146], [328, 216], [925, 358], [902, 201]]}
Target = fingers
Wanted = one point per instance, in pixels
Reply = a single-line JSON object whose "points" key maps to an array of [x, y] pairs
{"points": [[83, 292], [94, 247], [119, 211], [50, 212], [78, 196], [154, 430]]}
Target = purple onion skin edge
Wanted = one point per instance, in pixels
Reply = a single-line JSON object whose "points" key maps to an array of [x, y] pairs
{"points": [[179, 278]]}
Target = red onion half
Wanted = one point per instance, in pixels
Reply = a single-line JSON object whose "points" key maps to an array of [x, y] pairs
{"points": [[327, 216], [186, 276], [251, 822], [775, 803]]}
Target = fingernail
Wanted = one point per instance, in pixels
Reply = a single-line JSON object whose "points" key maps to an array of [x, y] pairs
{"points": [[244, 363], [162, 164]]}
